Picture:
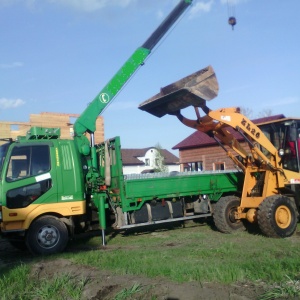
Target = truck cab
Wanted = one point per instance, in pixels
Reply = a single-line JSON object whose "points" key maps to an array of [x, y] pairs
{"points": [[39, 174]]}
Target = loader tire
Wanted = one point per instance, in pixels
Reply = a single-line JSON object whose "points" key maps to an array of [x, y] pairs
{"points": [[224, 215], [277, 216], [47, 235]]}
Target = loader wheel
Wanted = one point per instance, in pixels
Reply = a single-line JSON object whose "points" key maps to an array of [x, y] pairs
{"points": [[223, 215], [277, 216], [47, 235]]}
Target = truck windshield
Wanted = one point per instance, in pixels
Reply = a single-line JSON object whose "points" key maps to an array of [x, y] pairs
{"points": [[3, 151]]}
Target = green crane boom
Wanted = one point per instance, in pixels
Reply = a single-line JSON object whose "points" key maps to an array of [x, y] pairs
{"points": [[87, 120]]}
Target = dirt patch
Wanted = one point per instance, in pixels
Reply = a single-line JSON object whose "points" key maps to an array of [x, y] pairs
{"points": [[105, 286]]}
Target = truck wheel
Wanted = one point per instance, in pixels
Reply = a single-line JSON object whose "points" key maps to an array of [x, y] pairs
{"points": [[47, 235], [277, 216], [223, 215]]}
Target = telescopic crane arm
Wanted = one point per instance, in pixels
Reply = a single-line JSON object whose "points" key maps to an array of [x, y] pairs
{"points": [[86, 123]]}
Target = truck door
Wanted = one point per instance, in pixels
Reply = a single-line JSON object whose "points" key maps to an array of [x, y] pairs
{"points": [[25, 181]]}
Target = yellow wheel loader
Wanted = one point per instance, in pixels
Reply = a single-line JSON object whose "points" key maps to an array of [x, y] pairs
{"points": [[268, 156]]}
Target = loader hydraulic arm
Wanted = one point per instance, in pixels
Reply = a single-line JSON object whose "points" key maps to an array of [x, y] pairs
{"points": [[86, 123], [216, 123]]}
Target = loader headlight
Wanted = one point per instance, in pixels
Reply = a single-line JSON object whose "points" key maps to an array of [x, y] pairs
{"points": [[280, 152]]}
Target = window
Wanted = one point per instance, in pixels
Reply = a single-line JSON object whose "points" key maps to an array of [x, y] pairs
{"points": [[186, 168], [25, 195], [147, 162], [194, 166], [197, 166], [28, 161], [3, 151], [219, 166]]}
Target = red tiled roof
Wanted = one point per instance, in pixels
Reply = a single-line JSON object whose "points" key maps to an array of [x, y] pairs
{"points": [[196, 139], [129, 156], [268, 119], [201, 139]]}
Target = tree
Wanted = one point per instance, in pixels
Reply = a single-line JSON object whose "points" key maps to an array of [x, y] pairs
{"points": [[246, 111], [160, 160], [265, 113]]}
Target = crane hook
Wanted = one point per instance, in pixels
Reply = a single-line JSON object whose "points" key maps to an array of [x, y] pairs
{"points": [[232, 22]]}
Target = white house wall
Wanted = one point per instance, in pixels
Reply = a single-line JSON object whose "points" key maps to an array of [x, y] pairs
{"points": [[151, 154], [139, 169]]}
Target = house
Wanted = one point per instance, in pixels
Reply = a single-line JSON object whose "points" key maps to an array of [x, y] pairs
{"points": [[199, 152], [147, 160]]}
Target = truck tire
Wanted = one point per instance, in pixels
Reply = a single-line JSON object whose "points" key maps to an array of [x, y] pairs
{"points": [[224, 215], [277, 216], [47, 235]]}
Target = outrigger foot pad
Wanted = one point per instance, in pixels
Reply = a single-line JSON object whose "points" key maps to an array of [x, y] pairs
{"points": [[193, 90]]}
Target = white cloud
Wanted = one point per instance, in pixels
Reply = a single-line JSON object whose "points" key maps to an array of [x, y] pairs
{"points": [[10, 103], [28, 3], [232, 2], [92, 5], [160, 14], [283, 101], [199, 7], [83, 5], [15, 64]]}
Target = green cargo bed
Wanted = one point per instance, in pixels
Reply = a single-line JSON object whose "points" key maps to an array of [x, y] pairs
{"points": [[164, 185], [145, 199]]}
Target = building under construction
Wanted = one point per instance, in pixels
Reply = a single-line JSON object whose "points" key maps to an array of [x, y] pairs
{"points": [[13, 129]]}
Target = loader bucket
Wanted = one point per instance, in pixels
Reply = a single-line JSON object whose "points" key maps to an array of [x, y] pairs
{"points": [[192, 90]]}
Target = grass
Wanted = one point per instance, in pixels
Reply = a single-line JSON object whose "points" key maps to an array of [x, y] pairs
{"points": [[288, 290], [195, 253], [198, 254], [18, 284], [126, 293]]}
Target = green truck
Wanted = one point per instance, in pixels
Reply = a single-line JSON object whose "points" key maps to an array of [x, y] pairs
{"points": [[47, 195], [52, 189]]}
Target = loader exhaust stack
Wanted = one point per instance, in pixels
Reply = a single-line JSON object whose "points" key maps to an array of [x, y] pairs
{"points": [[193, 90]]}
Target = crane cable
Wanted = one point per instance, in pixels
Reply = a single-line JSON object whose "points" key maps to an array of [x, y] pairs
{"points": [[231, 13]]}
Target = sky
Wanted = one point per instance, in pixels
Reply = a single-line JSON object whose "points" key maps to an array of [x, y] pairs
{"points": [[57, 55]]}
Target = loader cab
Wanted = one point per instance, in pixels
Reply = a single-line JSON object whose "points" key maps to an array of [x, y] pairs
{"points": [[285, 136]]}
